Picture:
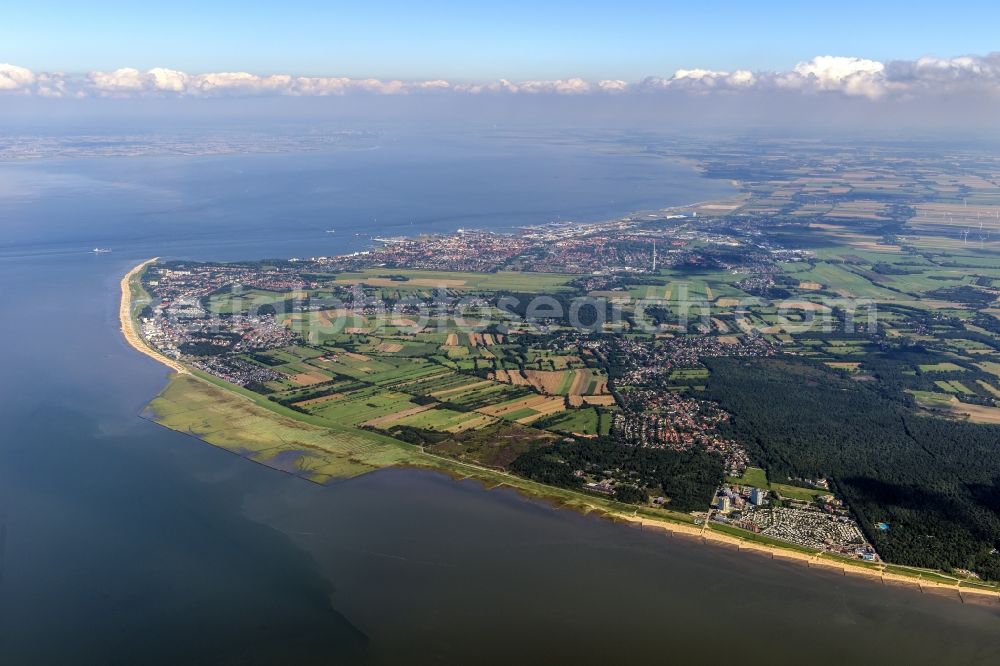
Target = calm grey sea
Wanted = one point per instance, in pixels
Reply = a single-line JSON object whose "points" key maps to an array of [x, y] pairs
{"points": [[125, 543]]}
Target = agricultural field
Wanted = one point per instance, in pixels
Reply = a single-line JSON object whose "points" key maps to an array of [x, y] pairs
{"points": [[940, 367], [579, 382], [525, 410], [950, 404], [841, 279], [430, 387]]}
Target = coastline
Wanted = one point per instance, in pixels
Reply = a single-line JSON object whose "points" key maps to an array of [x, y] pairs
{"points": [[876, 573], [666, 525], [706, 533], [127, 321]]}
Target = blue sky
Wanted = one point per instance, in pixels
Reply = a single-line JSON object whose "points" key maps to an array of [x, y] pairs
{"points": [[476, 41]]}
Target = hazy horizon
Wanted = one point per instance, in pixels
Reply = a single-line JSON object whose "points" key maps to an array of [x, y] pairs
{"points": [[899, 67]]}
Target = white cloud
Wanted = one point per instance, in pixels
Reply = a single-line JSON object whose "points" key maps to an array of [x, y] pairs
{"points": [[122, 80], [698, 75], [742, 77], [612, 85], [160, 80], [850, 76], [13, 77], [238, 81], [168, 79], [575, 86], [503, 85], [827, 74], [54, 85], [701, 81], [437, 84], [832, 71], [962, 74]]}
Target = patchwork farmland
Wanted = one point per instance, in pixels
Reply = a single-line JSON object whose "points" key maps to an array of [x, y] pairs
{"points": [[831, 281]]}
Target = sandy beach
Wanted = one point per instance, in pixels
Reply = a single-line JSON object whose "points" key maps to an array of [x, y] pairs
{"points": [[128, 324], [847, 567]]}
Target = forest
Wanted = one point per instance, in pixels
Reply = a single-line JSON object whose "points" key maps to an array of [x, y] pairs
{"points": [[934, 482], [687, 478]]}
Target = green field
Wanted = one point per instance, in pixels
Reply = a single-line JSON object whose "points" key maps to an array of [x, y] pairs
{"points": [[439, 419], [245, 300], [991, 367], [689, 374], [757, 478], [941, 367], [954, 386], [584, 421]]}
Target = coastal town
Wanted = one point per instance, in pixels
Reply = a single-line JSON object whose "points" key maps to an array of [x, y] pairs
{"points": [[822, 523], [559, 333], [306, 332], [687, 362]]}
